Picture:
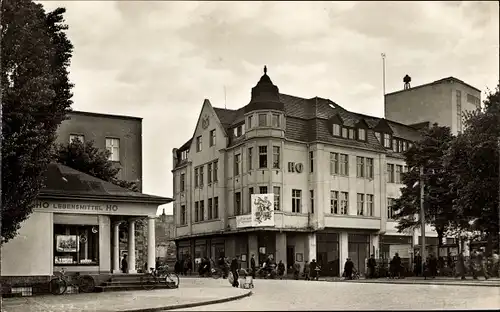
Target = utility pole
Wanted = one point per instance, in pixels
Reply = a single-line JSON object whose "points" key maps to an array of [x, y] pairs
{"points": [[422, 218], [383, 75]]}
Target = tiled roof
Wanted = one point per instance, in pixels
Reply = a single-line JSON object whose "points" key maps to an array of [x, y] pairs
{"points": [[64, 181]]}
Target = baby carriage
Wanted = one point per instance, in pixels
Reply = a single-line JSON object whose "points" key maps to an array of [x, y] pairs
{"points": [[355, 274], [246, 279]]}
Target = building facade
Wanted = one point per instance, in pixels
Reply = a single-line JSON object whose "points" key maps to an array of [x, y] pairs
{"points": [[443, 101], [333, 174], [121, 135]]}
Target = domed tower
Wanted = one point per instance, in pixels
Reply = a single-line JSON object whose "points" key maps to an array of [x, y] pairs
{"points": [[265, 95]]}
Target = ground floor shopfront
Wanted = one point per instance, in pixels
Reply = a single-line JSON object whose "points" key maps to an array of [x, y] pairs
{"points": [[330, 248]]}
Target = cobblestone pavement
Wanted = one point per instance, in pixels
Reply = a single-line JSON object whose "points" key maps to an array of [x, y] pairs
{"points": [[307, 295], [190, 291]]}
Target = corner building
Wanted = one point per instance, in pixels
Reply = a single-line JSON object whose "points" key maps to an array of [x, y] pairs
{"points": [[333, 174]]}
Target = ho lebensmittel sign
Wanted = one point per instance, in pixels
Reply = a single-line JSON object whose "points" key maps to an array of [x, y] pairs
{"points": [[77, 207]]}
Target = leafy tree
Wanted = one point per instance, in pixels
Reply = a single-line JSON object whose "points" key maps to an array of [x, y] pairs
{"points": [[473, 162], [438, 207], [36, 97]]}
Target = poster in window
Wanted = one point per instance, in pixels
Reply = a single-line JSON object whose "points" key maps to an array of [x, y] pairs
{"points": [[67, 243]]}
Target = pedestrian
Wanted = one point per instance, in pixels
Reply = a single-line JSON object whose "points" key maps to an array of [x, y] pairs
{"points": [[312, 269], [372, 264], [234, 271], [253, 266], [296, 270], [124, 264], [306, 271], [433, 265], [190, 265], [461, 265], [481, 259], [418, 264], [281, 269], [395, 265], [348, 268]]}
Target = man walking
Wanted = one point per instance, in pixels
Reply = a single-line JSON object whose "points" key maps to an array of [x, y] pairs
{"points": [[253, 266], [234, 271]]}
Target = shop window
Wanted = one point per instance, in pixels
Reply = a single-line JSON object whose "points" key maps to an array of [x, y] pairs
{"points": [[76, 244]]}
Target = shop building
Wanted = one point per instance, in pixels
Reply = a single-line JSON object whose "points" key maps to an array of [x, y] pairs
{"points": [[332, 172], [75, 226]]}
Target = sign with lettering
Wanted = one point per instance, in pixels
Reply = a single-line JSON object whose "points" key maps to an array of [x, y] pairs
{"points": [[77, 206], [295, 167]]}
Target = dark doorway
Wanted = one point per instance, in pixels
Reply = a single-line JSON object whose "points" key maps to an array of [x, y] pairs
{"points": [[290, 256]]}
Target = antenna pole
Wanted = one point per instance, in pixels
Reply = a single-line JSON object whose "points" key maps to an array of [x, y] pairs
{"points": [[383, 73], [225, 98]]}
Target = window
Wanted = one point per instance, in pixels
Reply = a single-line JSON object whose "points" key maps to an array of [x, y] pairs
{"points": [[473, 100], [250, 149], [344, 132], [344, 203], [369, 168], [216, 167], [198, 144], [296, 200], [263, 190], [250, 193], [390, 211], [311, 161], [262, 156], [311, 195], [76, 244], [201, 176], [398, 175], [276, 157], [74, 137], [276, 191], [183, 182], [344, 164], [334, 202], [360, 167], [250, 119], [209, 173], [378, 136], [237, 162], [237, 203], [334, 163], [184, 155], [387, 140], [351, 134], [362, 134], [113, 146], [369, 205], [239, 131], [262, 120], [394, 144], [405, 169], [216, 208], [276, 120], [196, 177], [212, 138], [400, 146], [459, 110], [405, 146], [361, 204], [183, 215], [390, 173], [196, 212], [336, 129], [210, 209], [202, 210]]}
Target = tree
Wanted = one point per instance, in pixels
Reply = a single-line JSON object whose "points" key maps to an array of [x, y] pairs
{"points": [[36, 97], [438, 201], [473, 162], [87, 158]]}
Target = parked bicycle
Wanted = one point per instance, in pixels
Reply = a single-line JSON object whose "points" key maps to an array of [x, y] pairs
{"points": [[59, 284], [160, 276]]}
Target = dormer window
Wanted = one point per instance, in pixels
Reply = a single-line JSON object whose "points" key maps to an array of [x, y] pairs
{"points": [[378, 136], [276, 121], [344, 132], [394, 144], [336, 129], [184, 155], [262, 120], [362, 134], [239, 131], [351, 134], [387, 140]]}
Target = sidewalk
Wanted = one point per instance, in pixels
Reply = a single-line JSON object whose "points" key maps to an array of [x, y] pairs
{"points": [[492, 282], [192, 292]]}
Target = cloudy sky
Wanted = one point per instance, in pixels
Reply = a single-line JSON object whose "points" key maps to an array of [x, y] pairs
{"points": [[160, 60]]}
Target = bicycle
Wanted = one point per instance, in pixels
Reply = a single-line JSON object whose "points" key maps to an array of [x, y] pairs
{"points": [[161, 276], [59, 284]]}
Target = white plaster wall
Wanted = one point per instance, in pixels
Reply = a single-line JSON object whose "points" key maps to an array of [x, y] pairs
{"points": [[30, 252]]}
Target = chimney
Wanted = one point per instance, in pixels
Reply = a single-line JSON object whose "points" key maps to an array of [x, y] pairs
{"points": [[406, 80]]}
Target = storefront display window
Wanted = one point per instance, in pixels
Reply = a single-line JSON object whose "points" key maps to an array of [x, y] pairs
{"points": [[76, 244]]}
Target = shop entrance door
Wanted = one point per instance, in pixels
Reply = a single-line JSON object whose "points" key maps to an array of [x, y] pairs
{"points": [[359, 252], [290, 256]]}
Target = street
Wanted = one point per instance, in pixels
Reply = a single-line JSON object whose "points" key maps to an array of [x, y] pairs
{"points": [[302, 295]]}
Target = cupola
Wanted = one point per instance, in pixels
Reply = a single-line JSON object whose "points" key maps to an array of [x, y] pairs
{"points": [[265, 95]]}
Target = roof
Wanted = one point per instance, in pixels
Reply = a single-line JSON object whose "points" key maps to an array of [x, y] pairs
{"points": [[434, 83], [103, 115], [63, 181]]}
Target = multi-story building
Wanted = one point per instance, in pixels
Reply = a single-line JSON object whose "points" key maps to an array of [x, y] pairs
{"points": [[333, 174], [121, 135], [443, 101]]}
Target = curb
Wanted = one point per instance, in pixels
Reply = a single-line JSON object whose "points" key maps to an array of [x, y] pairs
{"points": [[424, 283], [192, 305]]}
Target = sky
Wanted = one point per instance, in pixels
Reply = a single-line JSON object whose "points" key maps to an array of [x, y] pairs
{"points": [[160, 60]]}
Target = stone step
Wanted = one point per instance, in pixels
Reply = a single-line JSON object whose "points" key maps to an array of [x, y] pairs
{"points": [[128, 287]]}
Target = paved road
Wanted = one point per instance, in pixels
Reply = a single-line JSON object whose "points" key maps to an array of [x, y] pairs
{"points": [[302, 295]]}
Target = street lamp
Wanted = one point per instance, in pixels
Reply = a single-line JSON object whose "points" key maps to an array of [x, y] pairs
{"points": [[422, 216]]}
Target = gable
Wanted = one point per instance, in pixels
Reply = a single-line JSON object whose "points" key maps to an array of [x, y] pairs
{"points": [[383, 126]]}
